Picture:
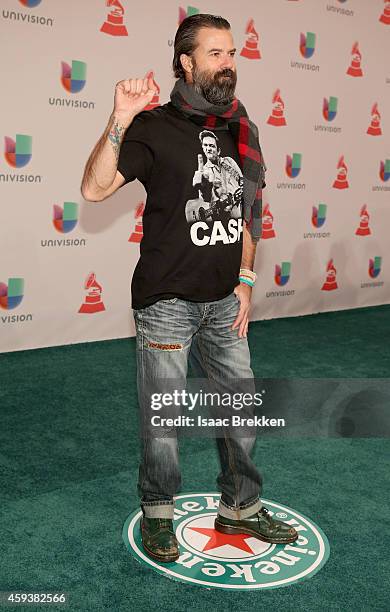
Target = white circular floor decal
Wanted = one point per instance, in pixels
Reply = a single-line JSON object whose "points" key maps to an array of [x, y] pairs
{"points": [[209, 558]]}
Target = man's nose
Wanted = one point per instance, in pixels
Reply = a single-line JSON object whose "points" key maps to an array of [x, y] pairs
{"points": [[227, 62]]}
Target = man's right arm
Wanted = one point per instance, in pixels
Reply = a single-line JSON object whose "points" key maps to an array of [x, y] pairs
{"points": [[101, 177]]}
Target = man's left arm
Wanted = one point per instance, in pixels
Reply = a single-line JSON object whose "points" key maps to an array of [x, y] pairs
{"points": [[244, 291]]}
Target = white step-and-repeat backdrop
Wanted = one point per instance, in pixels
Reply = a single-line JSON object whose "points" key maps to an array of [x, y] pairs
{"points": [[313, 74]]}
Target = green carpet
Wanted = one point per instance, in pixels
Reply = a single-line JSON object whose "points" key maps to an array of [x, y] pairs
{"points": [[69, 465]]}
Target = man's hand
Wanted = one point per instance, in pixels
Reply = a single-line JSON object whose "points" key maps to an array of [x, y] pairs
{"points": [[132, 96], [101, 177], [244, 293], [202, 174]]}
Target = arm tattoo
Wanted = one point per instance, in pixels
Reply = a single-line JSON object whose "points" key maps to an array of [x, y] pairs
{"points": [[115, 137]]}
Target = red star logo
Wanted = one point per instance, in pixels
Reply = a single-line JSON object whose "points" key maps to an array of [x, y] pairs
{"points": [[216, 538]]}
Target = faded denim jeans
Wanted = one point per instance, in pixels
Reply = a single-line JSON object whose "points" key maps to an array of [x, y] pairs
{"points": [[170, 334]]}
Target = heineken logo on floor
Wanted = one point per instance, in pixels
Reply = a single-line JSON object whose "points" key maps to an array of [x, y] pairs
{"points": [[209, 558]]}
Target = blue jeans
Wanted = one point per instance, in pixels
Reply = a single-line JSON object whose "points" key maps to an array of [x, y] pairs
{"points": [[169, 334]]}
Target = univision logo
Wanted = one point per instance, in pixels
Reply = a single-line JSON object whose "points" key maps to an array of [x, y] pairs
{"points": [[318, 216], [374, 266], [73, 80], [18, 152], [374, 269], [292, 169], [293, 165], [329, 109], [339, 10], [329, 112], [64, 221], [11, 295], [30, 3], [384, 175], [74, 77], [282, 273], [307, 44], [191, 10], [26, 18], [384, 171]]}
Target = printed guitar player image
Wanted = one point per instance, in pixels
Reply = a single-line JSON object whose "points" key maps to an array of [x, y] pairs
{"points": [[219, 182]]}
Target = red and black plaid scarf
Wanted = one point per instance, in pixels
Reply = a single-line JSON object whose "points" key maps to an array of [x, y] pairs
{"points": [[246, 135]]}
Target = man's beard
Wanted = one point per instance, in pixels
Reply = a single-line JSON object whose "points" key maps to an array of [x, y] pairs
{"points": [[216, 88]]}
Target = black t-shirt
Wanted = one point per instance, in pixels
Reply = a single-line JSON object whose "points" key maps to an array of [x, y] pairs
{"points": [[192, 222]]}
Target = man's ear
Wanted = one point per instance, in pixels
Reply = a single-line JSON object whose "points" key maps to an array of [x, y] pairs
{"points": [[186, 62]]}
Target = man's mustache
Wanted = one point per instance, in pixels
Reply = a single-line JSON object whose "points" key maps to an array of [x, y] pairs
{"points": [[227, 72]]}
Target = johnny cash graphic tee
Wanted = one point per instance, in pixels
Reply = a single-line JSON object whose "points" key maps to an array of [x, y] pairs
{"points": [[192, 222]]}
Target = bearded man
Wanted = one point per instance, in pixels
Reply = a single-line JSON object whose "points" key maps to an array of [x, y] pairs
{"points": [[192, 286]]}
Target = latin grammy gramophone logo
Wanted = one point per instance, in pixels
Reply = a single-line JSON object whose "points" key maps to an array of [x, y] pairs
{"points": [[355, 69], [341, 181], [114, 25], [267, 226], [93, 300], [385, 17], [251, 48], [137, 234], [364, 227], [277, 118], [330, 283], [374, 129]]}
